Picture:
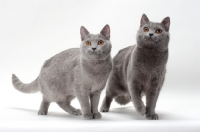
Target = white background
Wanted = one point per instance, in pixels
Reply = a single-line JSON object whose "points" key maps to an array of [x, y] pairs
{"points": [[31, 31]]}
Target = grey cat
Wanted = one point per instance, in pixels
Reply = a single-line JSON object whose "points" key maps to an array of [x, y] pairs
{"points": [[140, 69], [78, 72]]}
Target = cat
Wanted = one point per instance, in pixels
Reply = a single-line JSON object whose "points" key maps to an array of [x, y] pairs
{"points": [[77, 72], [140, 69]]}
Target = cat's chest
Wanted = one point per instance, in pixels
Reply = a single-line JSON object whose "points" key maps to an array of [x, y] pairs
{"points": [[97, 73], [151, 62], [148, 67], [96, 76]]}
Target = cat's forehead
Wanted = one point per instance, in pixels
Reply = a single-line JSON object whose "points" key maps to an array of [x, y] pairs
{"points": [[154, 25], [95, 36]]}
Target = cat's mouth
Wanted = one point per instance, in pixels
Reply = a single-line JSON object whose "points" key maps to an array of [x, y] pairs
{"points": [[150, 39], [94, 52], [97, 55]]}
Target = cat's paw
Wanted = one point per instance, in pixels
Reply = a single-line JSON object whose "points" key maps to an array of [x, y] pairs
{"points": [[42, 112], [152, 117], [77, 112], [104, 109], [141, 111], [97, 115], [88, 116]]}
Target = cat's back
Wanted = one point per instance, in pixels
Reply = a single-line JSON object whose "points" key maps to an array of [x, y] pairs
{"points": [[123, 55], [68, 56], [61, 64]]}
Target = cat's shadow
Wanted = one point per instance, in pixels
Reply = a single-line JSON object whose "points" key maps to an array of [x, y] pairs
{"points": [[116, 114], [126, 113], [129, 113], [60, 115]]}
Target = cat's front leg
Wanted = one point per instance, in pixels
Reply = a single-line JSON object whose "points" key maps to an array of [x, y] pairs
{"points": [[94, 98], [151, 98], [83, 98], [136, 98]]}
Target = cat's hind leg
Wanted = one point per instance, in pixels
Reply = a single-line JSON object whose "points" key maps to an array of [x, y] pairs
{"points": [[66, 106], [113, 90], [106, 103], [43, 107]]}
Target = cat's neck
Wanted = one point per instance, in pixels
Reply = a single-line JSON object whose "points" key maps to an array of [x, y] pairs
{"points": [[95, 66], [94, 62], [146, 50]]}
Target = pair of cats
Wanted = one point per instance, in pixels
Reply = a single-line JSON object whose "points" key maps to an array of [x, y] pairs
{"points": [[83, 72]]}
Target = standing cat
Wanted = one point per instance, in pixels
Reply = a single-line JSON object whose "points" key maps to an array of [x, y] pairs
{"points": [[80, 73], [140, 69]]}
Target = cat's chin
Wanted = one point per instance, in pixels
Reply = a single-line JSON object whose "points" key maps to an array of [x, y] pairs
{"points": [[150, 43], [95, 57], [94, 52], [100, 57]]}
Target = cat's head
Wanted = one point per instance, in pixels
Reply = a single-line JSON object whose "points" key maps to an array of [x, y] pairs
{"points": [[95, 46], [153, 35]]}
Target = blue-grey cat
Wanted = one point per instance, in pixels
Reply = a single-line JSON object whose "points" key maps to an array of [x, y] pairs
{"points": [[140, 69], [78, 72]]}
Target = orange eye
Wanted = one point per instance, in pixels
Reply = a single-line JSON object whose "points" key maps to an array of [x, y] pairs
{"points": [[158, 31], [145, 29], [100, 42], [88, 43]]}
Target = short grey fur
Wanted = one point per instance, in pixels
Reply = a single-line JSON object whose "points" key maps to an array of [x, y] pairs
{"points": [[78, 72], [140, 69]]}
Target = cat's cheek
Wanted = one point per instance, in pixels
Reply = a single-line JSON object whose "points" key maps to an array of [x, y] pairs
{"points": [[89, 52], [140, 37], [107, 49], [146, 37], [99, 52], [157, 39]]}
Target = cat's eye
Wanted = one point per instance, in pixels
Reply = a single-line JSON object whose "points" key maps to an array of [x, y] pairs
{"points": [[88, 43], [100, 42], [158, 31], [145, 29]]}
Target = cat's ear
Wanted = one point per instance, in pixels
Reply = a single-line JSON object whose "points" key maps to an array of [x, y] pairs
{"points": [[106, 31], [166, 23], [84, 32], [144, 20]]}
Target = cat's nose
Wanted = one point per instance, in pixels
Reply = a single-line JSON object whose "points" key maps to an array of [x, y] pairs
{"points": [[93, 48], [150, 34]]}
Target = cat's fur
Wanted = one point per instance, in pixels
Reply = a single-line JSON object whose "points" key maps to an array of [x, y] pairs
{"points": [[79, 72], [140, 69]]}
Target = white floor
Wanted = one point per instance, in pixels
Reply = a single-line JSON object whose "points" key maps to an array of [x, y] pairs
{"points": [[178, 111]]}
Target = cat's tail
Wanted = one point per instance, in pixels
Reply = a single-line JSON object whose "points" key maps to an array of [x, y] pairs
{"points": [[123, 99], [25, 88]]}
